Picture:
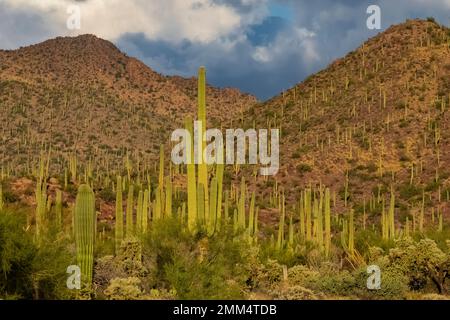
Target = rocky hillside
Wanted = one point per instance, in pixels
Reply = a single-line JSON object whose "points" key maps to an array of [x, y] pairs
{"points": [[376, 118], [82, 94]]}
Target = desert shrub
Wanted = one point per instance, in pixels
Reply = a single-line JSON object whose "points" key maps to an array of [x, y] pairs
{"points": [[107, 195], [302, 275], [130, 258], [17, 253], [327, 279], [157, 294], [106, 268], [303, 168], [421, 262], [341, 283], [268, 275], [198, 267], [50, 269], [29, 271], [429, 296], [408, 191], [366, 239], [9, 196], [124, 289], [295, 293], [129, 263], [394, 284]]}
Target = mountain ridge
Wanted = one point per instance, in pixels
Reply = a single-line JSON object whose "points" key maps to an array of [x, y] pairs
{"points": [[368, 120], [89, 81]]}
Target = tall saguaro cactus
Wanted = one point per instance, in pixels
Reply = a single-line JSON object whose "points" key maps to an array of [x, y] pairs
{"points": [[58, 208], [119, 213], [192, 186], [41, 209], [202, 167], [85, 225], [327, 223], [1, 197], [129, 214], [145, 210]]}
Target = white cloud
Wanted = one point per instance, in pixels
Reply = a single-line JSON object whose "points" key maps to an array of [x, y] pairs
{"points": [[296, 41], [169, 20], [262, 54]]}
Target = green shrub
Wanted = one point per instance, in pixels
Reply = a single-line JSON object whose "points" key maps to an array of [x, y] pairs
{"points": [[421, 262], [17, 253], [303, 168], [268, 275], [394, 284], [124, 289], [295, 293], [197, 267]]}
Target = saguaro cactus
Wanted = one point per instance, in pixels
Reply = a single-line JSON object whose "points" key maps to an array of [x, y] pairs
{"points": [[119, 214], [1, 197], [41, 209], [211, 223], [351, 234], [85, 225], [241, 206], [391, 222], [168, 198], [139, 214], [327, 223], [280, 240], [129, 217], [192, 186], [202, 166], [58, 208], [145, 211]]}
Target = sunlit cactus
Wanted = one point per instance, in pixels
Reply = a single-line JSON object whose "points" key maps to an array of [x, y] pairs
{"points": [[119, 215], [85, 229]]}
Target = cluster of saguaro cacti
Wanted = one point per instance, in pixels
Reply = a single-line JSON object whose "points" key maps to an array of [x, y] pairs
{"points": [[388, 219], [314, 212], [314, 209], [208, 206], [85, 231], [204, 198], [136, 213]]}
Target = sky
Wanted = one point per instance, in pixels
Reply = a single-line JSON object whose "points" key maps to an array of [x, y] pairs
{"points": [[259, 46]]}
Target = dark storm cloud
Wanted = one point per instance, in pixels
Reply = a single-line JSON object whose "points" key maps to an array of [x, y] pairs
{"points": [[339, 27]]}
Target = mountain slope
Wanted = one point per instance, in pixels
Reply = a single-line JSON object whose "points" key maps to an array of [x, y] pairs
{"points": [[82, 94], [375, 116]]}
